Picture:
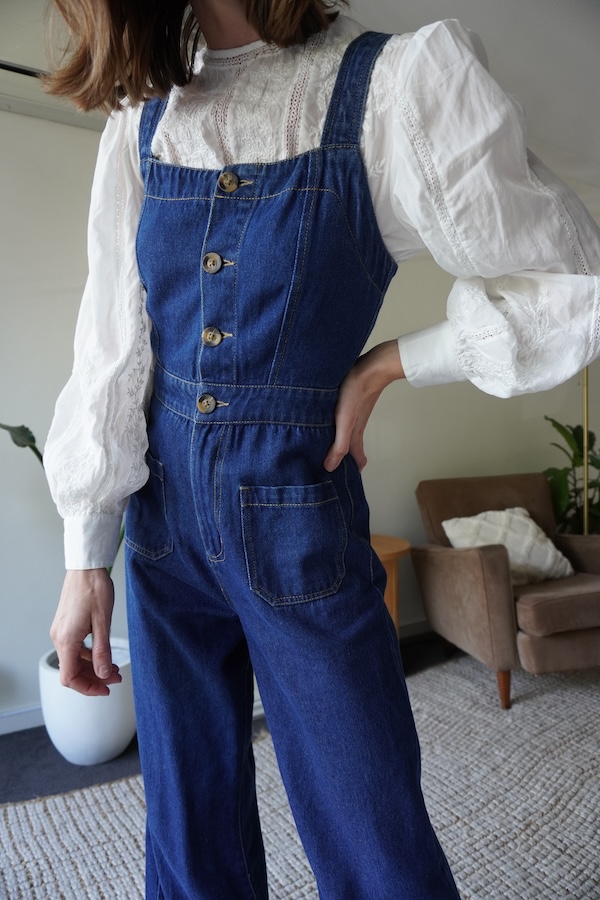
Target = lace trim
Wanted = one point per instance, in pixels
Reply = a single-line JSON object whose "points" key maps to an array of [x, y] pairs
{"points": [[595, 335], [298, 97], [581, 261], [257, 107], [137, 391], [434, 187]]}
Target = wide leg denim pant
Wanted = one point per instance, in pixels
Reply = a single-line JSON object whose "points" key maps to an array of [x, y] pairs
{"points": [[244, 554]]}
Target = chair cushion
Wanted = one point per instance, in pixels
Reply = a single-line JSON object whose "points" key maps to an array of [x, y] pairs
{"points": [[571, 604], [532, 555]]}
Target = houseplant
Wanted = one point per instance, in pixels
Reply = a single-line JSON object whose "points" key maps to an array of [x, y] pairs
{"points": [[85, 730], [567, 483]]}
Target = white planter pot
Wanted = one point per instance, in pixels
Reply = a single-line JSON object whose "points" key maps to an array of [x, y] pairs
{"points": [[88, 730]]}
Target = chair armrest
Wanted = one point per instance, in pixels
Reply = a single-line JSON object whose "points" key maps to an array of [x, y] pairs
{"points": [[582, 550], [468, 598]]}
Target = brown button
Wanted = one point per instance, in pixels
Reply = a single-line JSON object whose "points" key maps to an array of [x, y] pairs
{"points": [[211, 336], [228, 182], [207, 404], [211, 263]]}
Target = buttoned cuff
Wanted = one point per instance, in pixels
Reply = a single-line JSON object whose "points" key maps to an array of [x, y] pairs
{"points": [[91, 542], [429, 357]]}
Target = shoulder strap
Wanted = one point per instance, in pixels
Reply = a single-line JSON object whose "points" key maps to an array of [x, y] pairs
{"points": [[347, 105], [151, 116]]}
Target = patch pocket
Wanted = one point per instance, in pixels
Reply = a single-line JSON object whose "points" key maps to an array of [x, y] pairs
{"points": [[146, 527], [294, 541]]}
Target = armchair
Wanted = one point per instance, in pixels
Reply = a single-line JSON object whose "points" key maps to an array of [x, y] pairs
{"points": [[469, 598]]}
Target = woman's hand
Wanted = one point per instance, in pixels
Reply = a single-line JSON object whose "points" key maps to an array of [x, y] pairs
{"points": [[359, 393], [85, 607]]}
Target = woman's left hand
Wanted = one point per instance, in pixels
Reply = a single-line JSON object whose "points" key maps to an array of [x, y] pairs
{"points": [[358, 394]]}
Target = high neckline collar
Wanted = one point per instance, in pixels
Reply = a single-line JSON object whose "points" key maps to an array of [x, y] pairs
{"points": [[234, 52]]}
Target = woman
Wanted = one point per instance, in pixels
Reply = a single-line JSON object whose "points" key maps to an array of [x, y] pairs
{"points": [[254, 214]]}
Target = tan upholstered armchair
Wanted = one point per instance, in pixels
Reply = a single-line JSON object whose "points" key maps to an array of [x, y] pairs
{"points": [[469, 597]]}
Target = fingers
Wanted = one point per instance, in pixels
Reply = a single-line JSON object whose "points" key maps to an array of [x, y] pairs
{"points": [[85, 607], [351, 416], [335, 455], [357, 397], [348, 439], [68, 660], [101, 655], [344, 424], [87, 682]]}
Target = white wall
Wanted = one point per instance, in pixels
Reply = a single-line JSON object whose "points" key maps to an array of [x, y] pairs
{"points": [[45, 178]]}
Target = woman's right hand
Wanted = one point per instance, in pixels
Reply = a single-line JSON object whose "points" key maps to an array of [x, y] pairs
{"points": [[85, 606]]}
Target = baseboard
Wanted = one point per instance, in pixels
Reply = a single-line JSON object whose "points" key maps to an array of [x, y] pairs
{"points": [[21, 719]]}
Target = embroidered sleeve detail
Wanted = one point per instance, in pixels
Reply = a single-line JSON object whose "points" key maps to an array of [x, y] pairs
{"points": [[95, 451], [525, 332]]}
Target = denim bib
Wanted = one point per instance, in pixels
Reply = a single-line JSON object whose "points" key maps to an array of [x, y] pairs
{"points": [[264, 275]]}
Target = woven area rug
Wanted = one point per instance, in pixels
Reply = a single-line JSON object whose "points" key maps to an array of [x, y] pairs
{"points": [[514, 796]]}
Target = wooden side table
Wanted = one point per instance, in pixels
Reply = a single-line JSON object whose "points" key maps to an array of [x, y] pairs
{"points": [[389, 550]]}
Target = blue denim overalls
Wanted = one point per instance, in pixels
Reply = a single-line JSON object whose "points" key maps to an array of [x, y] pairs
{"points": [[263, 283]]}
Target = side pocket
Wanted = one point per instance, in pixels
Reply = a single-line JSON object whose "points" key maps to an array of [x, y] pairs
{"points": [[294, 541], [146, 527]]}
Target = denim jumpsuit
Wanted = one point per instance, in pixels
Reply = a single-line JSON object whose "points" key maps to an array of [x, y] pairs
{"points": [[263, 282]]}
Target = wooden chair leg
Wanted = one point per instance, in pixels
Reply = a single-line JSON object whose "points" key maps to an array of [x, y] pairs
{"points": [[504, 688]]}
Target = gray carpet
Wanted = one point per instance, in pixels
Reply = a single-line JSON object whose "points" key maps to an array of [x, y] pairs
{"points": [[514, 796]]}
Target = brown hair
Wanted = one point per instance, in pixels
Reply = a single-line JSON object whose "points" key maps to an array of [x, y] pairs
{"points": [[141, 48]]}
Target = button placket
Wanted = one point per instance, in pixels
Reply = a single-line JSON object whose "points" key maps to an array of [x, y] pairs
{"points": [[207, 404], [228, 182], [212, 336], [212, 263], [226, 223]]}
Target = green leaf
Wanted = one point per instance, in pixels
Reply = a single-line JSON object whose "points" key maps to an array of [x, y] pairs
{"points": [[566, 432], [594, 461], [569, 456], [560, 491], [22, 436], [578, 437]]}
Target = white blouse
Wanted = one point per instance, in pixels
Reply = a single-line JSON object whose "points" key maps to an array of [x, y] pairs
{"points": [[448, 171]]}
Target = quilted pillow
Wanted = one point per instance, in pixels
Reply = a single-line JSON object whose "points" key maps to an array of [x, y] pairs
{"points": [[532, 555]]}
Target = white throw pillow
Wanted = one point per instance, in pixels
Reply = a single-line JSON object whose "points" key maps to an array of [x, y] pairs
{"points": [[532, 555]]}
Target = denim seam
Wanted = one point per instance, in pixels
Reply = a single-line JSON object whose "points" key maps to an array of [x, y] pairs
{"points": [[289, 505], [280, 387], [217, 504], [243, 231], [209, 422], [349, 492], [296, 282], [243, 849]]}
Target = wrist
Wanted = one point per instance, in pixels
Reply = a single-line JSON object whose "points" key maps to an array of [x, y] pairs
{"points": [[381, 365]]}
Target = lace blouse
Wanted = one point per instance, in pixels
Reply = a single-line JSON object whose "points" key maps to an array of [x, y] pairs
{"points": [[448, 171]]}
